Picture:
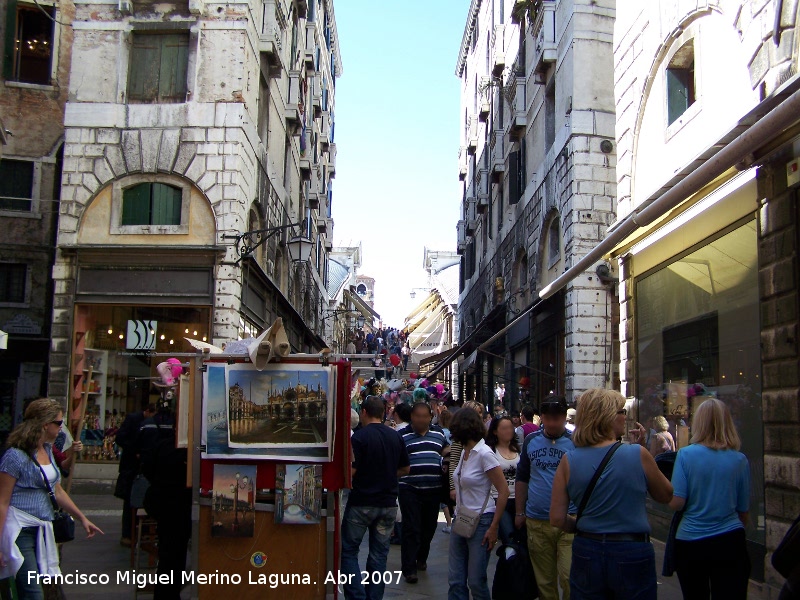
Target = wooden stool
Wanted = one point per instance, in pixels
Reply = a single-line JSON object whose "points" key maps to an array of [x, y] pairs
{"points": [[145, 540]]}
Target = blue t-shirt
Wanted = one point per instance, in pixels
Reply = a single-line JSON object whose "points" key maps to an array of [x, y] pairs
{"points": [[617, 504], [537, 466], [378, 452], [425, 457], [716, 486]]}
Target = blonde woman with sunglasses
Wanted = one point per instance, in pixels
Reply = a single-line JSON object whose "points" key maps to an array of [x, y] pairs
{"points": [[26, 511]]}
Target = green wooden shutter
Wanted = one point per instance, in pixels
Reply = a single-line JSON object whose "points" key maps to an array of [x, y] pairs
{"points": [[677, 93], [136, 205], [166, 205], [174, 66], [11, 35], [145, 61]]}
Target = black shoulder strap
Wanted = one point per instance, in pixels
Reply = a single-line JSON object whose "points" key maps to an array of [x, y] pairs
{"points": [[590, 488], [47, 483]]}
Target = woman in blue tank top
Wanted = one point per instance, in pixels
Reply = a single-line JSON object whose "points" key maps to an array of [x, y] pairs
{"points": [[712, 486], [612, 556]]}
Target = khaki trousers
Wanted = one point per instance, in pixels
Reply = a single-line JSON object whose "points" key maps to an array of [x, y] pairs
{"points": [[550, 550]]}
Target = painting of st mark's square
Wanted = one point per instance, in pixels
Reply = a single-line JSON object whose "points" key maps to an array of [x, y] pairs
{"points": [[282, 406]]}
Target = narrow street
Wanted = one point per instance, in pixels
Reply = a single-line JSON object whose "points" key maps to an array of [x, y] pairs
{"points": [[103, 554]]}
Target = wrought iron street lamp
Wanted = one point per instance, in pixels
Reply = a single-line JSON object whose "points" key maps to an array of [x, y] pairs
{"points": [[299, 245]]}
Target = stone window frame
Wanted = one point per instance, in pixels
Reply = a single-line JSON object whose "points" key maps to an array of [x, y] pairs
{"points": [[690, 34], [26, 301], [36, 190], [120, 185]]}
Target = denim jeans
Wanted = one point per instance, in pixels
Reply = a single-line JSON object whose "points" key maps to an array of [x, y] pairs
{"points": [[620, 570], [468, 560], [357, 520], [26, 542]]}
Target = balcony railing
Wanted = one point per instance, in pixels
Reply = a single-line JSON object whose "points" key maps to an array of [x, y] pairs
{"points": [[545, 49], [294, 101], [498, 51], [310, 49], [270, 36], [472, 135], [498, 156]]}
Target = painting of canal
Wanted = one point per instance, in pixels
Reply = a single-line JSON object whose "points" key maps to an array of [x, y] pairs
{"points": [[283, 406], [298, 494], [233, 501]]}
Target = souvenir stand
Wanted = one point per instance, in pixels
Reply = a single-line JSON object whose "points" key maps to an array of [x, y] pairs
{"points": [[235, 536]]}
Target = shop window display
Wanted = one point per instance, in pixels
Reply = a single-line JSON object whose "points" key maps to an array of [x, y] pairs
{"points": [[698, 337], [117, 344]]}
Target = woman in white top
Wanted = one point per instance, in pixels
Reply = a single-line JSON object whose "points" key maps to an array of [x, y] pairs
{"points": [[503, 441], [476, 473]]}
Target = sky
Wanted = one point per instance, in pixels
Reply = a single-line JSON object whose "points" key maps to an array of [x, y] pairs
{"points": [[397, 138]]}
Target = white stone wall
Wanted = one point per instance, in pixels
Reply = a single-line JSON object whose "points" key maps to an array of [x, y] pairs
{"points": [[212, 139], [572, 177]]}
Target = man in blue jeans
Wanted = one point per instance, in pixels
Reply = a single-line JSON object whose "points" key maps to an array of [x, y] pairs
{"points": [[379, 458]]}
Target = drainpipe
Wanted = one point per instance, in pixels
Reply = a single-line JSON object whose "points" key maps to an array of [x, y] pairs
{"points": [[736, 152]]}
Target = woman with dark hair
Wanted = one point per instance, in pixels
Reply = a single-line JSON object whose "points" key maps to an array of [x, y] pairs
{"points": [[502, 439], [476, 473], [26, 510]]}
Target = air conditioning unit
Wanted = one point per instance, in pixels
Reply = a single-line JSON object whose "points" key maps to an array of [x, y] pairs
{"points": [[126, 7]]}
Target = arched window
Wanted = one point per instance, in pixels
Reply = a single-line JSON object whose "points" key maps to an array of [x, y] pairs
{"points": [[361, 290], [151, 204]]}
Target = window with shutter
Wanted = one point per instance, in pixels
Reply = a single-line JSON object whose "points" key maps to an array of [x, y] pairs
{"points": [[514, 191], [151, 204], [16, 185], [680, 82], [158, 67]]}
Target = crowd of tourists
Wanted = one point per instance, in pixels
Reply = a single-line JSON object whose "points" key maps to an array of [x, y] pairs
{"points": [[555, 490]]}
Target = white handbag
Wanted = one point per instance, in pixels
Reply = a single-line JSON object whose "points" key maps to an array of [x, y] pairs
{"points": [[465, 521]]}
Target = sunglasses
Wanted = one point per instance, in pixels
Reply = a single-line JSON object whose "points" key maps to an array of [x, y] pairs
{"points": [[59, 423], [624, 411]]}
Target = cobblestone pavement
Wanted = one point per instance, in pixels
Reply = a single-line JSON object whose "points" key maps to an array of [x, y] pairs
{"points": [[103, 554]]}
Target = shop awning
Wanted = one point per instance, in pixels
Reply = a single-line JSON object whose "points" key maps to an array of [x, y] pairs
{"points": [[752, 134], [361, 306], [469, 342]]}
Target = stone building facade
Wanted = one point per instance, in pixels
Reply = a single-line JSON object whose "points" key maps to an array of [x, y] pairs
{"points": [[188, 124], [33, 94], [537, 164], [707, 102]]}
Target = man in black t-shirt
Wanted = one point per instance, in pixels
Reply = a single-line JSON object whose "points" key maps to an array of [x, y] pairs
{"points": [[379, 458]]}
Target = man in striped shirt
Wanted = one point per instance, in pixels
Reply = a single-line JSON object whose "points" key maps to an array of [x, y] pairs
{"points": [[420, 490]]}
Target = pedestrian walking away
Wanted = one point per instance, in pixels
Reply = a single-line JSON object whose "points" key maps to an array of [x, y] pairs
{"points": [[167, 500], [379, 458], [129, 464], [712, 487], [608, 482]]}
